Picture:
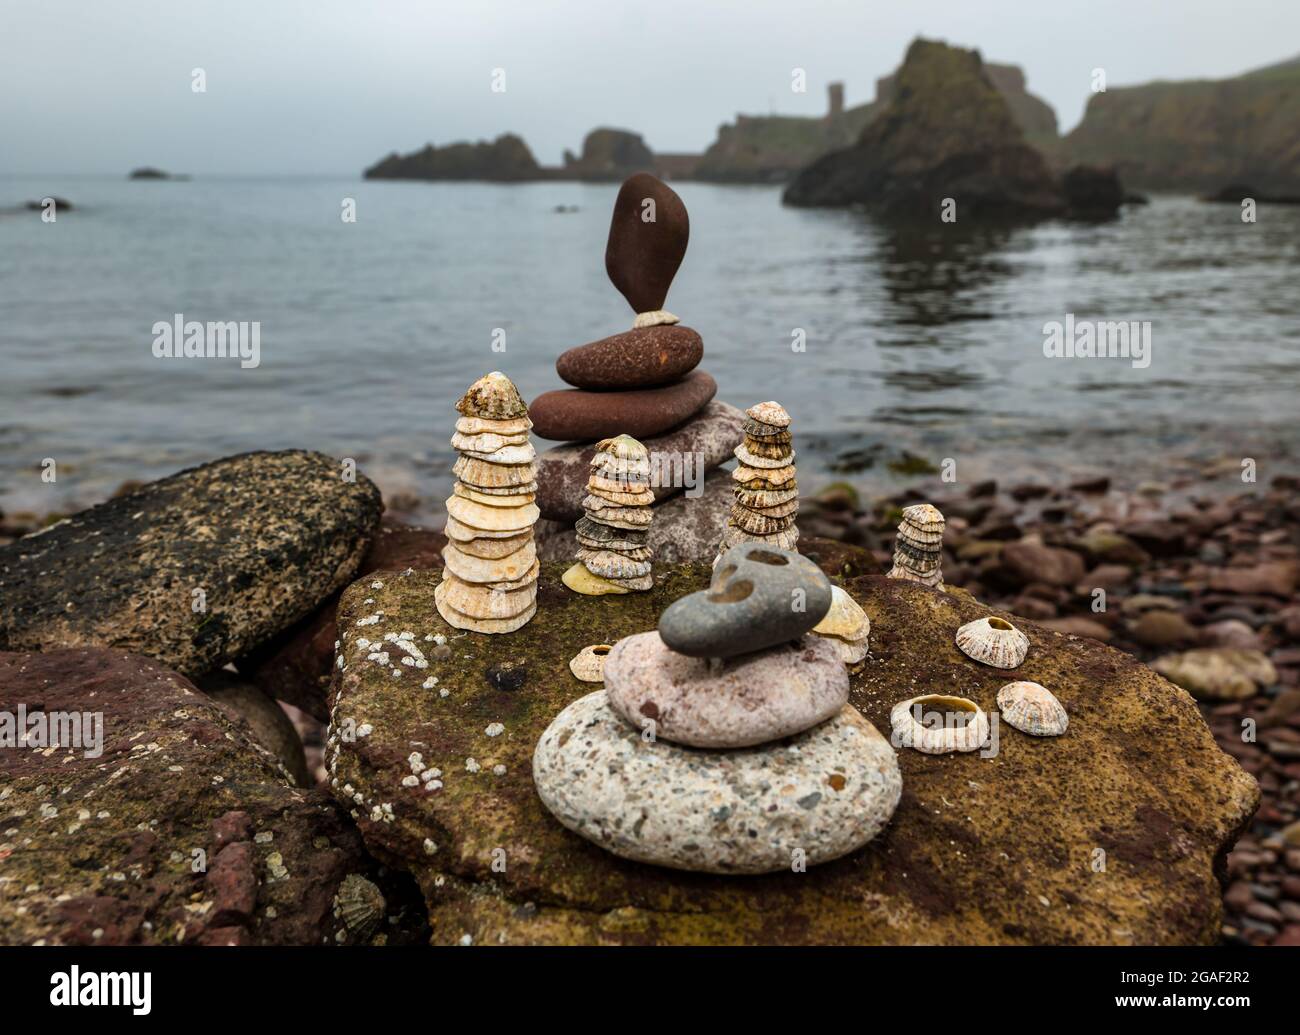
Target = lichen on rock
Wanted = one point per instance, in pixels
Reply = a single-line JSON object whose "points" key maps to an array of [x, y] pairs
{"points": [[1109, 834]]}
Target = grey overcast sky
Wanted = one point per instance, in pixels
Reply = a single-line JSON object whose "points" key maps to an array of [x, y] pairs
{"points": [[329, 86]]}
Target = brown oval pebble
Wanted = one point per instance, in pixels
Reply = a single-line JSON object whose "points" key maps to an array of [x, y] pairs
{"points": [[642, 358], [647, 241], [578, 415]]}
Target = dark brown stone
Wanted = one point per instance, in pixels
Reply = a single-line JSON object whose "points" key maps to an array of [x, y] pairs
{"points": [[642, 255], [577, 415], [641, 358]]}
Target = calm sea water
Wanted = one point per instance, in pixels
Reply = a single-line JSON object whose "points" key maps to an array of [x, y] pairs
{"points": [[923, 345]]}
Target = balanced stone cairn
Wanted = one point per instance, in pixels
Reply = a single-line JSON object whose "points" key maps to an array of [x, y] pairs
{"points": [[767, 498], [643, 381], [489, 581], [918, 551], [612, 553], [724, 741]]}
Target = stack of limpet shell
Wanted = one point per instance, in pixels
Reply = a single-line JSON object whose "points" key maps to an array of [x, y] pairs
{"points": [[612, 553], [490, 567], [767, 498], [918, 550], [643, 381], [724, 742]]}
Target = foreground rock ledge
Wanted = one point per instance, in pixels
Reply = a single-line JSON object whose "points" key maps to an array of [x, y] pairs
{"points": [[1110, 834], [183, 830]]}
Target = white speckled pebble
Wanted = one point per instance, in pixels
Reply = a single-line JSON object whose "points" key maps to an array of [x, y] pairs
{"points": [[826, 791]]}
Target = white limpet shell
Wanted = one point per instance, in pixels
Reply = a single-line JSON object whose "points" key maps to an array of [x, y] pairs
{"points": [[464, 533], [493, 518], [924, 516], [1033, 709], [733, 536], [772, 413], [510, 568], [945, 724], [993, 641], [637, 515], [771, 475], [653, 318], [761, 463], [611, 564], [473, 471], [492, 549], [760, 499], [487, 499], [484, 625], [851, 651], [621, 499], [527, 489], [487, 442], [845, 619], [506, 455], [482, 425], [625, 470], [589, 663], [774, 510], [598, 482], [477, 601]]}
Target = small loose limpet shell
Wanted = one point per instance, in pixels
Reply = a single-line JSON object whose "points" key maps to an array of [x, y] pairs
{"points": [[993, 641], [589, 663], [1033, 709], [938, 723], [360, 905]]}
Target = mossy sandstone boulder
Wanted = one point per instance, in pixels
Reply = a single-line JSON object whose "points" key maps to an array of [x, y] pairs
{"points": [[195, 569], [1110, 834]]}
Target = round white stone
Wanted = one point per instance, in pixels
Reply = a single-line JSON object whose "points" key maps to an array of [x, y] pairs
{"points": [[801, 801]]}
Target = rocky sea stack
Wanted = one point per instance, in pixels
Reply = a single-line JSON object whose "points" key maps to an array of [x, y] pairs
{"points": [[947, 133]]}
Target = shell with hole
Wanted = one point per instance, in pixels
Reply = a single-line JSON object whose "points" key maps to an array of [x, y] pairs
{"points": [[1033, 709], [589, 663], [993, 641], [937, 724]]}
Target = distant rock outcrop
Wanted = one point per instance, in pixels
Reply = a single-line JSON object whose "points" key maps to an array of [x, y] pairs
{"points": [[148, 172], [773, 148], [506, 159], [1198, 135], [946, 132], [609, 154]]}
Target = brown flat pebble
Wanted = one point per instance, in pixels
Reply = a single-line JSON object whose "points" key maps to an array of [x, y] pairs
{"points": [[642, 358]]}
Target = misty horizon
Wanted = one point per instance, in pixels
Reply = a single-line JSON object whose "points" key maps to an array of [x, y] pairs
{"points": [[331, 89]]}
